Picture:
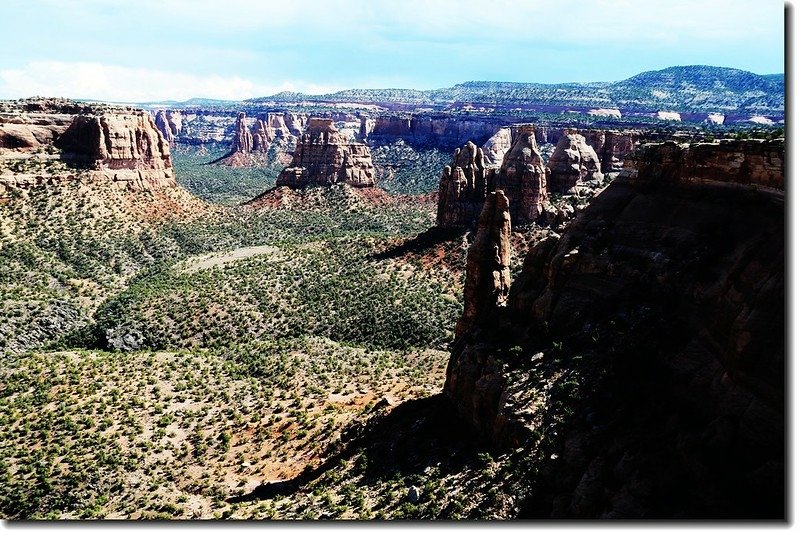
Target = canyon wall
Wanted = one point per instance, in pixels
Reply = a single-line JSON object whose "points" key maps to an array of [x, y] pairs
{"points": [[99, 143], [434, 131], [641, 355]]}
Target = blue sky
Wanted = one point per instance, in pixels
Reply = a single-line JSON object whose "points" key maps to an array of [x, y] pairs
{"points": [[234, 49]]}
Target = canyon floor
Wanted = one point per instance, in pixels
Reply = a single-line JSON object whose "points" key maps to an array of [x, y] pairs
{"points": [[281, 361]]}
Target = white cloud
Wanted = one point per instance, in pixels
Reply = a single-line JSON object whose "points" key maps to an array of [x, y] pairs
{"points": [[123, 84]]}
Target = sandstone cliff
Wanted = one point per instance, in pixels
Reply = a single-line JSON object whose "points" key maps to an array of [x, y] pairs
{"points": [[434, 131], [169, 123], [613, 146], [523, 177], [463, 188], [496, 147], [488, 260], [323, 157], [641, 356], [125, 146], [573, 161], [732, 163], [271, 139], [242, 138]]}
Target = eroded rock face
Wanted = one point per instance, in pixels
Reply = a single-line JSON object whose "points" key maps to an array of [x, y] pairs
{"points": [[440, 131], [271, 133], [366, 126], [617, 146], [496, 147], [242, 138], [117, 142], [323, 157], [573, 161], [665, 299], [169, 123], [612, 146], [488, 260], [748, 163], [271, 139], [523, 177], [463, 187], [100, 142]]}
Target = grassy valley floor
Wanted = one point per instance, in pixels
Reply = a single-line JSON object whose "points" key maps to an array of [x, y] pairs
{"points": [[282, 361]]}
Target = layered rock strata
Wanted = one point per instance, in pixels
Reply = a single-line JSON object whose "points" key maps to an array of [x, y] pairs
{"points": [[169, 123], [434, 131], [125, 146], [732, 163], [463, 187], [573, 161], [323, 156], [648, 358], [611, 146], [523, 177], [242, 137], [271, 139], [98, 142]]}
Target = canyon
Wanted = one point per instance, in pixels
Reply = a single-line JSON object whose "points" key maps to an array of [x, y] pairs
{"points": [[480, 308]]}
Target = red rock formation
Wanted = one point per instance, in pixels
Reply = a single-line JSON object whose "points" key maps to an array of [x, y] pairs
{"points": [[523, 177], [662, 307], [94, 143], [749, 164], [296, 123], [242, 138], [573, 161], [618, 145], [463, 188], [323, 157], [496, 147], [366, 127], [488, 260], [392, 125], [272, 134], [270, 140], [32, 129], [115, 141], [169, 124]]}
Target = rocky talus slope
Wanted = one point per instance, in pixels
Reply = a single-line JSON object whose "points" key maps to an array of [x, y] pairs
{"points": [[324, 156], [639, 359]]}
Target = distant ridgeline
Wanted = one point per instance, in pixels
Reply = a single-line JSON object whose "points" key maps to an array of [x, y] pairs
{"points": [[446, 118]]}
